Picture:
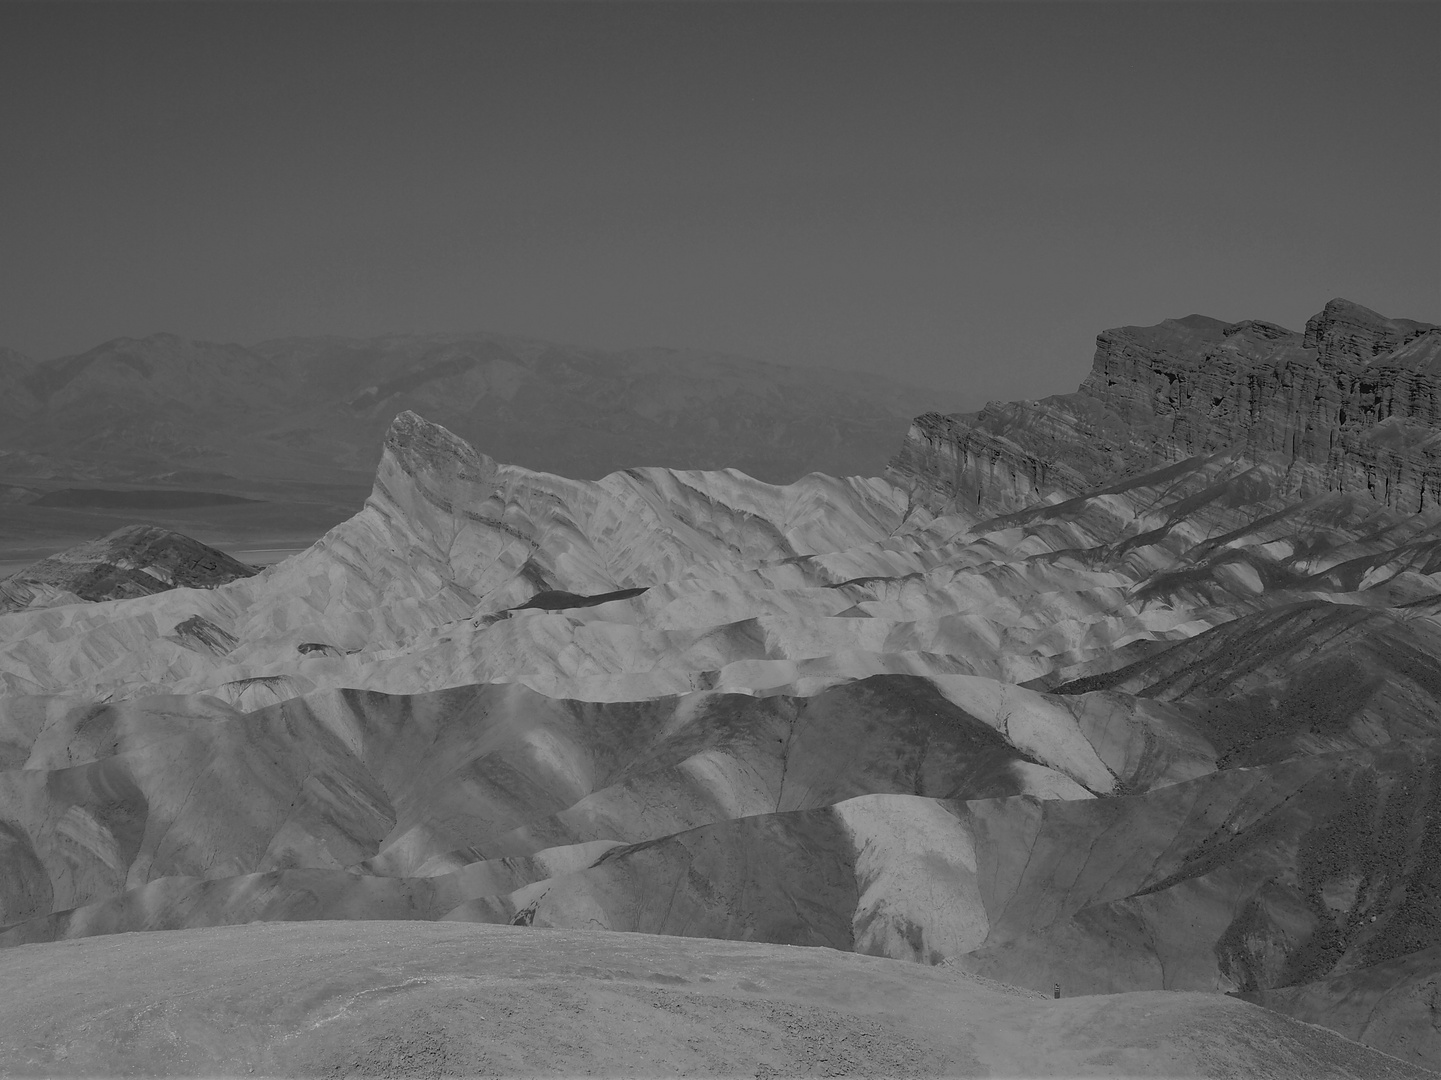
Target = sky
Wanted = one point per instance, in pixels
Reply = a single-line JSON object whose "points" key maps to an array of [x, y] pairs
{"points": [[957, 195]]}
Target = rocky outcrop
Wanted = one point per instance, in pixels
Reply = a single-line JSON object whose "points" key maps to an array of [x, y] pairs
{"points": [[138, 560], [1350, 405]]}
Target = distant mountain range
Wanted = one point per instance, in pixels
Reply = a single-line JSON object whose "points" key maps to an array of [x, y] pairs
{"points": [[166, 410]]}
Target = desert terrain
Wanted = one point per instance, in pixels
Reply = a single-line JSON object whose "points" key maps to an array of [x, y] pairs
{"points": [[264, 448], [1132, 691], [428, 999]]}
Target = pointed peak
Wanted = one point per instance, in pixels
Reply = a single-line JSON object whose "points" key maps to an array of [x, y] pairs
{"points": [[410, 430], [418, 446]]}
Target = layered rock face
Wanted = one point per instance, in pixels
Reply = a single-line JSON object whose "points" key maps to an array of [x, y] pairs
{"points": [[1350, 405]]}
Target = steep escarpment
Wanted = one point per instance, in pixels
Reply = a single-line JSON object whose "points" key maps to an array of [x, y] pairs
{"points": [[1350, 405]]}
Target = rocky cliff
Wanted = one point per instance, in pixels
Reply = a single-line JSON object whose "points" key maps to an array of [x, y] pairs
{"points": [[1350, 405]]}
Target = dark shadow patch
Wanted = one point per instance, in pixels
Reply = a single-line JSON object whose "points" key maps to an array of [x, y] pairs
{"points": [[558, 600]]}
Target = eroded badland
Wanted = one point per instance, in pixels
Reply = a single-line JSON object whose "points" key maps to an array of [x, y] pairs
{"points": [[1132, 690]]}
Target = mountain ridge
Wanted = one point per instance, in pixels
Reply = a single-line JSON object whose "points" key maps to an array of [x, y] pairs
{"points": [[316, 407]]}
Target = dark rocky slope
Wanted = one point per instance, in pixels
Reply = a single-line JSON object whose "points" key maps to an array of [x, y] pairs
{"points": [[138, 560]]}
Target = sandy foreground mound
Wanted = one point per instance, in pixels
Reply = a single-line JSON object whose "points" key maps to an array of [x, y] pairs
{"points": [[410, 999]]}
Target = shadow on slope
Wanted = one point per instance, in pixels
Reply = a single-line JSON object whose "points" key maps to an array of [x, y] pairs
{"points": [[1305, 678], [107, 798]]}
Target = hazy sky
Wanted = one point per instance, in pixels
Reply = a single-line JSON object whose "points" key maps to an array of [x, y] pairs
{"points": [[961, 194]]}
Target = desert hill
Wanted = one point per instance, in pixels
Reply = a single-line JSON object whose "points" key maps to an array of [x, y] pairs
{"points": [[138, 560], [415, 999], [1127, 716]]}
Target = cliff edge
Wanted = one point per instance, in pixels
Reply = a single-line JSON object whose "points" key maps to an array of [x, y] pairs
{"points": [[1349, 405]]}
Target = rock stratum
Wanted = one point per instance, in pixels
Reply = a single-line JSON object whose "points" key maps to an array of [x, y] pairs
{"points": [[1120, 712]]}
